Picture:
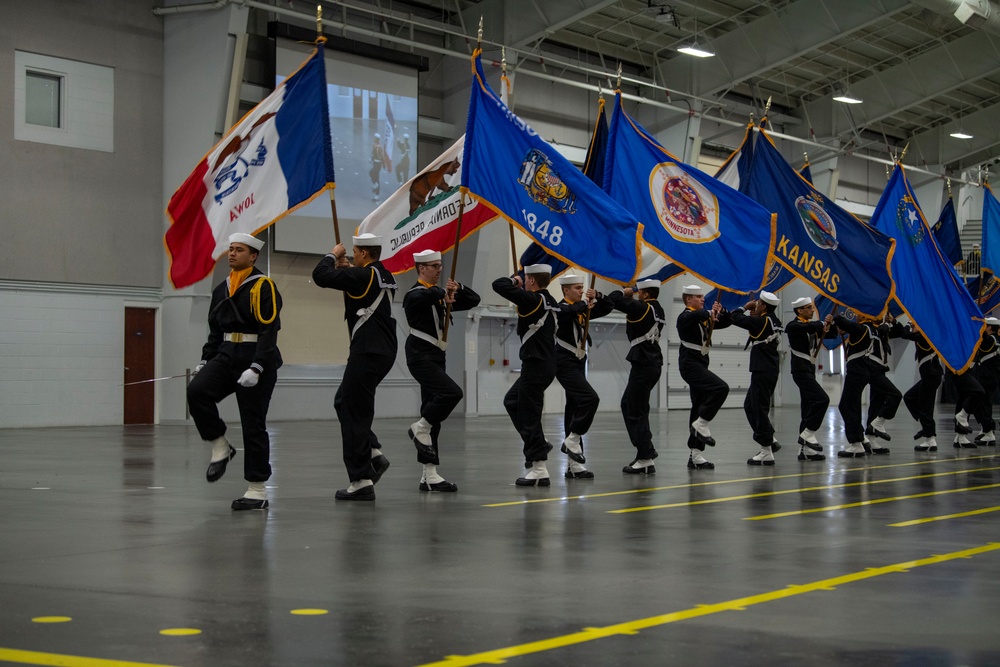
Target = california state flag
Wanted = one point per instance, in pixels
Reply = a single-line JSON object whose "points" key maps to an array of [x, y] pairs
{"points": [[423, 214], [275, 160]]}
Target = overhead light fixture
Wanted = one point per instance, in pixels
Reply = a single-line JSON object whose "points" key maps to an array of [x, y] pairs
{"points": [[959, 134], [693, 49], [846, 97]]}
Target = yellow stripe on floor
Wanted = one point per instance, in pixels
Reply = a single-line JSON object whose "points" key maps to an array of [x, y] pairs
{"points": [[499, 656], [863, 503], [771, 494], [741, 480], [915, 522], [58, 660]]}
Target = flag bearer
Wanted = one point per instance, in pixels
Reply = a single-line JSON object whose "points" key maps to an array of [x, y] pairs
{"points": [[805, 338], [884, 397], [859, 371], [988, 364], [368, 290], [424, 306], [241, 357], [920, 398]]}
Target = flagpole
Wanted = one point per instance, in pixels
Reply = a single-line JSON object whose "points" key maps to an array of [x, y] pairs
{"points": [[586, 319], [320, 39], [454, 262], [979, 295], [503, 82]]}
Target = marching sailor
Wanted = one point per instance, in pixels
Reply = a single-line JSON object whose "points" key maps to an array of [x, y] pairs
{"points": [[921, 397], [805, 339]]}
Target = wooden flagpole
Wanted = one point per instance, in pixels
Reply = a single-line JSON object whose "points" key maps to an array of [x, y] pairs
{"points": [[320, 39]]}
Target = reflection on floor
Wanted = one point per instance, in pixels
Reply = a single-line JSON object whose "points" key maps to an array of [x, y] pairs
{"points": [[112, 537]]}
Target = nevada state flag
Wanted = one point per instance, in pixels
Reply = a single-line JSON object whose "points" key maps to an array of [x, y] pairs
{"points": [[276, 159]]}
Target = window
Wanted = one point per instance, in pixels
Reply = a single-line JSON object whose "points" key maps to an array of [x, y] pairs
{"points": [[43, 96]]}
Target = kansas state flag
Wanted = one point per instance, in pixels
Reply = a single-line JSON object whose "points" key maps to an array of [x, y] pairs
{"points": [[819, 242], [927, 287], [515, 172], [946, 233], [275, 160], [991, 232], [698, 223]]}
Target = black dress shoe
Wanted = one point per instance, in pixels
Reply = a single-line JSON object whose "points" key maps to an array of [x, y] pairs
{"points": [[379, 464], [816, 447], [218, 468], [524, 481], [645, 470], [424, 450], [702, 439], [872, 431], [583, 474], [579, 458], [364, 493], [249, 504], [443, 486], [811, 457], [918, 435], [707, 465], [844, 454], [964, 430], [775, 447], [965, 445], [880, 450]]}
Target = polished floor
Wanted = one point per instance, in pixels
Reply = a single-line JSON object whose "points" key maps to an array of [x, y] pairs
{"points": [[115, 551]]}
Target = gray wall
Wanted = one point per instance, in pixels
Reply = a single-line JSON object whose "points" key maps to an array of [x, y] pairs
{"points": [[84, 216]]}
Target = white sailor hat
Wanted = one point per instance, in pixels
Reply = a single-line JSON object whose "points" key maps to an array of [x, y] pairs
{"points": [[993, 321], [247, 240], [426, 256], [770, 298], [570, 279], [538, 268], [648, 283], [798, 303], [693, 290], [368, 241]]}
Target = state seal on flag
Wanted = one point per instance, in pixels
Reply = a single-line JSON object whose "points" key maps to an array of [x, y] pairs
{"points": [[686, 209], [908, 220], [817, 223], [544, 185]]}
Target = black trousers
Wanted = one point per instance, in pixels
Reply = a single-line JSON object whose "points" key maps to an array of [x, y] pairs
{"points": [[635, 407], [439, 394], [355, 406], [581, 399], [813, 400], [757, 406], [971, 397], [884, 398], [524, 402], [708, 392], [858, 374], [920, 398], [216, 381]]}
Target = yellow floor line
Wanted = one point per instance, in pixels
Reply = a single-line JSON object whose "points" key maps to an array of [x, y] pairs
{"points": [[499, 656], [863, 503], [770, 494], [825, 471], [915, 522], [58, 660]]}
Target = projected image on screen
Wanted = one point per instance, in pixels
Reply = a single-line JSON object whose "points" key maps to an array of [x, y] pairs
{"points": [[373, 127]]}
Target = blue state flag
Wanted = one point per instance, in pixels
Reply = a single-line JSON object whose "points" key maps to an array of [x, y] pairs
{"points": [[946, 233], [700, 224], [817, 241], [927, 286], [594, 169], [985, 289], [991, 232], [513, 171]]}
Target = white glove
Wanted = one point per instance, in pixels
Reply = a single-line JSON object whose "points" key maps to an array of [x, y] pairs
{"points": [[248, 378], [201, 364]]}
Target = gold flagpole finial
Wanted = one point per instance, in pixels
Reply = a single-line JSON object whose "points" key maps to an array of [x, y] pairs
{"points": [[600, 91], [949, 187], [319, 22], [806, 156], [479, 38], [767, 107], [618, 85], [503, 60], [903, 154]]}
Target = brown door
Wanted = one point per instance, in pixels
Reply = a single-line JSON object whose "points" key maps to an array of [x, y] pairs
{"points": [[140, 364]]}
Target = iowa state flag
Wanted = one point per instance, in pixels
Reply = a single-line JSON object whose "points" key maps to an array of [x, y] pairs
{"points": [[423, 214], [509, 168], [700, 224], [275, 160], [818, 241], [927, 286]]}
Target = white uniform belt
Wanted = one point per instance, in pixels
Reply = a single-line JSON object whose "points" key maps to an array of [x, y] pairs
{"points": [[417, 333], [857, 355], [239, 338], [575, 349], [770, 338], [697, 348], [923, 361], [364, 314], [802, 355], [532, 328], [988, 356]]}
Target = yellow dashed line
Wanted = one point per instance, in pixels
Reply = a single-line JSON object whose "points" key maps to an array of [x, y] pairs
{"points": [[914, 522], [59, 660], [499, 656]]}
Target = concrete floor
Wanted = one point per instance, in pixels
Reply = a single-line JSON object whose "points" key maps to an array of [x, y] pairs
{"points": [[117, 530]]}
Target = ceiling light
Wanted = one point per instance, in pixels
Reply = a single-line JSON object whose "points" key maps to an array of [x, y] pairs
{"points": [[959, 134], [693, 49], [846, 97]]}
